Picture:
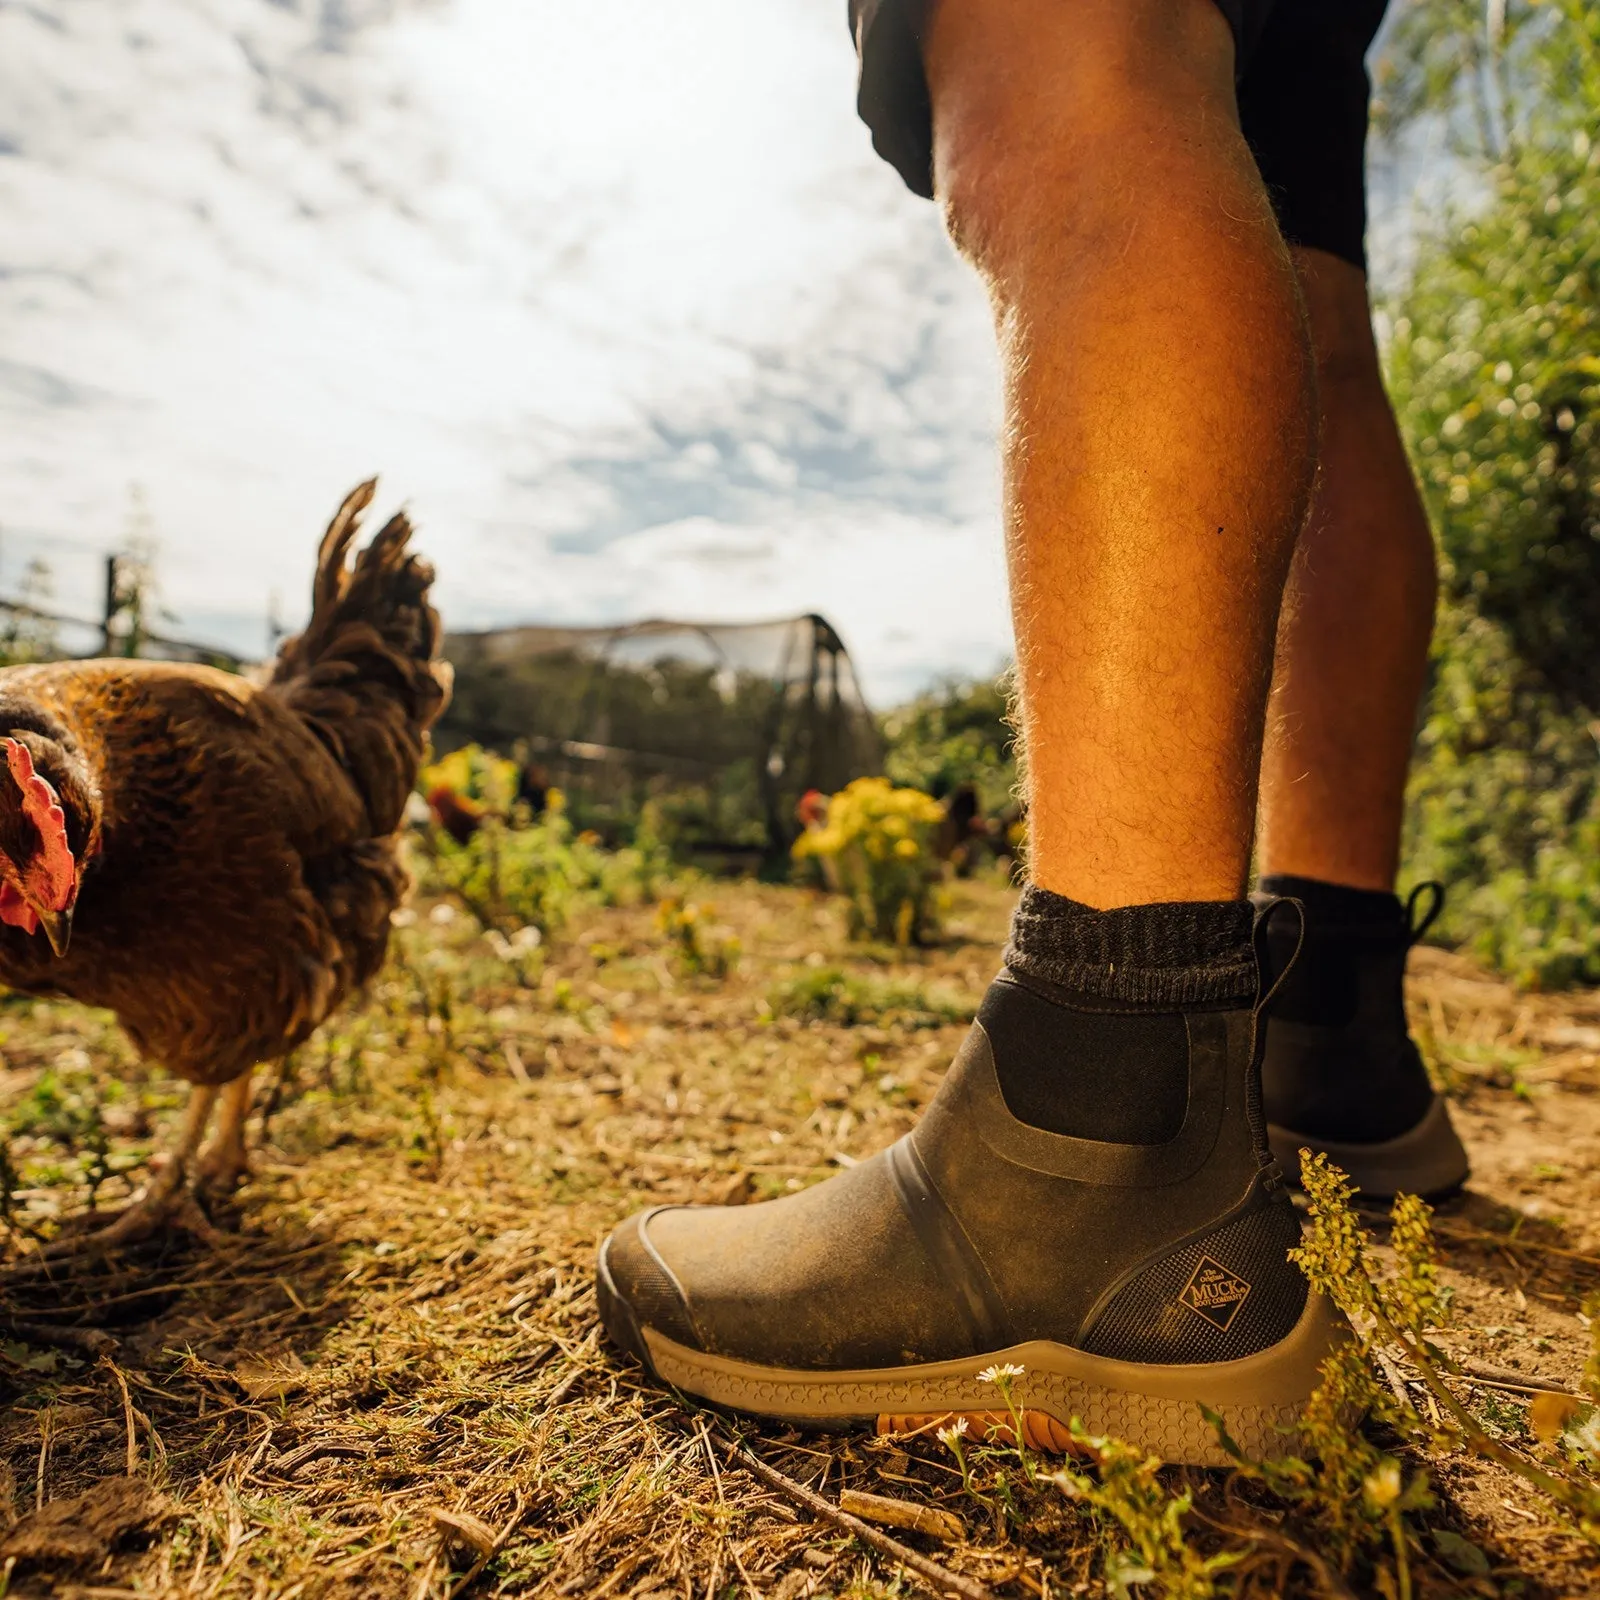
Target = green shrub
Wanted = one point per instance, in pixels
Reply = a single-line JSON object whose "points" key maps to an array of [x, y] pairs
{"points": [[959, 732], [537, 874], [1494, 363]]}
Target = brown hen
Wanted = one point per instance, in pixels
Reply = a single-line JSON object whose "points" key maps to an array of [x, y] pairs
{"points": [[212, 859]]}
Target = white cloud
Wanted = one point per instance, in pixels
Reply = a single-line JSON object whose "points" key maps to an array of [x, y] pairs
{"points": [[595, 286]]}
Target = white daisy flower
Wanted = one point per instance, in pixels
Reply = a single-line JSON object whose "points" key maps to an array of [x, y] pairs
{"points": [[1001, 1372]]}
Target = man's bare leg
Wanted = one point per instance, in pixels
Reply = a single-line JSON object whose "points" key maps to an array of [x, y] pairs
{"points": [[1357, 617], [1160, 422], [1090, 1183]]}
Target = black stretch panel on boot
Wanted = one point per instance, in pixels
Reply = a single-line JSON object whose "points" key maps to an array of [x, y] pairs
{"points": [[1117, 1075], [1087, 1023], [1347, 931]]}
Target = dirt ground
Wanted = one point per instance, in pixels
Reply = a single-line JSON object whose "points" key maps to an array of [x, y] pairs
{"points": [[385, 1377]]}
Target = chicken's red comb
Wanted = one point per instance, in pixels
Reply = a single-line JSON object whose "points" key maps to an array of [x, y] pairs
{"points": [[40, 804]]}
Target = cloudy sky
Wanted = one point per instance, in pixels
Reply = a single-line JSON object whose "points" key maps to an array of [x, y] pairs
{"points": [[614, 295]]}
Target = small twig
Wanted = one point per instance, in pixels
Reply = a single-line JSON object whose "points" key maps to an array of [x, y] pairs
{"points": [[127, 1417], [46, 1428], [425, 1581], [289, 1464], [950, 1582], [564, 1388], [91, 1341], [1507, 1241], [514, 1060], [1397, 1384], [1493, 1377], [1518, 1388], [470, 1576]]}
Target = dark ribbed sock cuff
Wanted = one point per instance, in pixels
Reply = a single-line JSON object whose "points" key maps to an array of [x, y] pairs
{"points": [[1334, 907], [1181, 953]]}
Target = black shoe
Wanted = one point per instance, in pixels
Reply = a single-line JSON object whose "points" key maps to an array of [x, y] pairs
{"points": [[1130, 1282], [1341, 1074]]}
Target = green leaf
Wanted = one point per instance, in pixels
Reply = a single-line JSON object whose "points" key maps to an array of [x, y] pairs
{"points": [[1460, 1554]]}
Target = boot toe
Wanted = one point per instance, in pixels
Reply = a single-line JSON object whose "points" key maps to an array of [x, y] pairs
{"points": [[636, 1290]]}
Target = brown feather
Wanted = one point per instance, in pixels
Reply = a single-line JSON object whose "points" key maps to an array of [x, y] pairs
{"points": [[247, 864]]}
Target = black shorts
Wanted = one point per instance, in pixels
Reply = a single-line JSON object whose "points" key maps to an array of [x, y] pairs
{"points": [[1303, 92]]}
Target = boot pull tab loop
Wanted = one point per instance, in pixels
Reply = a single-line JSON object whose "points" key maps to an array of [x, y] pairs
{"points": [[1417, 926], [1258, 938]]}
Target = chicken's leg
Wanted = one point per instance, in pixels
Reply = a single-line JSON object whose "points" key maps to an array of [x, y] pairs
{"points": [[225, 1158], [163, 1200]]}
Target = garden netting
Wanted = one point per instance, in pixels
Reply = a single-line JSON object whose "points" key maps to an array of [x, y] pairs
{"points": [[723, 725]]}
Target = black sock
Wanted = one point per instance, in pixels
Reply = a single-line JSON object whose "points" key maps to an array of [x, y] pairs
{"points": [[1336, 906], [1182, 953], [1089, 1038], [1350, 936]]}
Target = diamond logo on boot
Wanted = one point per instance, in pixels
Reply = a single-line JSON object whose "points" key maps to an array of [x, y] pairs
{"points": [[1214, 1293]]}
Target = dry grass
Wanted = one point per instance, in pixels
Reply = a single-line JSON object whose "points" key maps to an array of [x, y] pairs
{"points": [[388, 1379]]}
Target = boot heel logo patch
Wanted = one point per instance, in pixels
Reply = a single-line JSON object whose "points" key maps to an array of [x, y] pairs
{"points": [[1214, 1293]]}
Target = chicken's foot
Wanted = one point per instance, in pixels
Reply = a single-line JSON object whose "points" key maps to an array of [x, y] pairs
{"points": [[226, 1158], [164, 1200]]}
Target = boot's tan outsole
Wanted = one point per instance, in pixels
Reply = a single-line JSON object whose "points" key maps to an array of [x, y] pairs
{"points": [[1427, 1160], [1156, 1408]]}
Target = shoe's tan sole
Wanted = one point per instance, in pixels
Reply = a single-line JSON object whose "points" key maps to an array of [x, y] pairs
{"points": [[1156, 1408], [1427, 1160]]}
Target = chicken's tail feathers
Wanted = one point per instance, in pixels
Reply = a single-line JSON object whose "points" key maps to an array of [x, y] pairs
{"points": [[366, 673], [329, 582]]}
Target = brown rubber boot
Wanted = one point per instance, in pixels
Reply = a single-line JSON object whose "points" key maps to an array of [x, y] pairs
{"points": [[1130, 1282]]}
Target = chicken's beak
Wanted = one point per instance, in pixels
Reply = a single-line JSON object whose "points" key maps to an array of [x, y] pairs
{"points": [[57, 926]]}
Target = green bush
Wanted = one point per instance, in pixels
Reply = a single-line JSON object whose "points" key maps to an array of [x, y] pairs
{"points": [[538, 875], [1494, 363], [959, 732]]}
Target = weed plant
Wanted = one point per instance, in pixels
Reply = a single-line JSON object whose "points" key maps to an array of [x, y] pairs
{"points": [[700, 947], [1399, 1311], [538, 873], [846, 999]]}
